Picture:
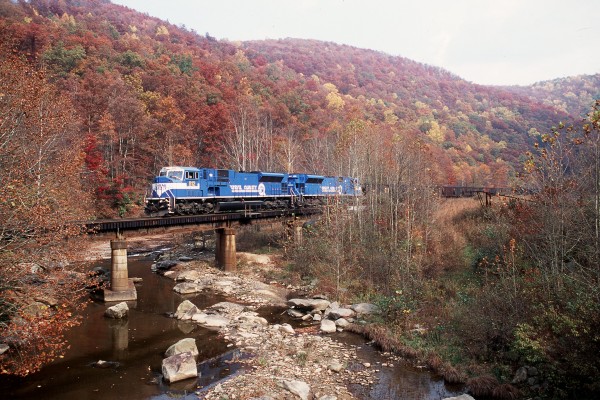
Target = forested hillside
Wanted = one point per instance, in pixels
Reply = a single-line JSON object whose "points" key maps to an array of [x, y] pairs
{"points": [[147, 94], [572, 95]]}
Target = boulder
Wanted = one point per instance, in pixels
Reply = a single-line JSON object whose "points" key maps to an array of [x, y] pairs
{"points": [[3, 348], [337, 313], [187, 345], [187, 288], [309, 304], [179, 367], [189, 275], [341, 322], [165, 265], [215, 321], [186, 308], [328, 326], [299, 388], [117, 311], [365, 308]]}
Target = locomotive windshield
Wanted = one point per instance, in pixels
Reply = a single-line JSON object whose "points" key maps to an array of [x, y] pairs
{"points": [[172, 173], [175, 174]]}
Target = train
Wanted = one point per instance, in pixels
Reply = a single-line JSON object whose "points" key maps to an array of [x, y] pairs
{"points": [[190, 190]]}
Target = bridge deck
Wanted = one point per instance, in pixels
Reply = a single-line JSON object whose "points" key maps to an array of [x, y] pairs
{"points": [[114, 225]]}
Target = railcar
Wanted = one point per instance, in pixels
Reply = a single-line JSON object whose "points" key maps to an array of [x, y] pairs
{"points": [[190, 190]]}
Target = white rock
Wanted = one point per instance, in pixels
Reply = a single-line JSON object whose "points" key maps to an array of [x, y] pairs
{"points": [[187, 345], [187, 288], [215, 321], [299, 388], [190, 275], [253, 319], [365, 308], [199, 317], [328, 326], [287, 328], [179, 367], [309, 304], [335, 366], [184, 308], [336, 313], [117, 311], [341, 322]]}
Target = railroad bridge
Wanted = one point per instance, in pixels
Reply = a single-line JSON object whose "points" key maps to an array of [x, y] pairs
{"points": [[224, 225]]}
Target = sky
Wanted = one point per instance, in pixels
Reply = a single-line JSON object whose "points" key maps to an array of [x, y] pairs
{"points": [[489, 42]]}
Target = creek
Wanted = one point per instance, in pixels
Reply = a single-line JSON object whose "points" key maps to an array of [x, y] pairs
{"points": [[135, 347]]}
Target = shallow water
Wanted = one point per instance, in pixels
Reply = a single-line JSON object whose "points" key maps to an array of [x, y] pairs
{"points": [[138, 343]]}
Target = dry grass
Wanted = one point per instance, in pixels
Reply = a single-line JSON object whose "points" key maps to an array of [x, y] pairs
{"points": [[447, 246], [482, 385], [451, 374], [506, 391], [434, 362]]}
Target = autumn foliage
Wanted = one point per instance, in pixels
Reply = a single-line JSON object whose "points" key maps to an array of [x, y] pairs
{"points": [[149, 94], [41, 159]]}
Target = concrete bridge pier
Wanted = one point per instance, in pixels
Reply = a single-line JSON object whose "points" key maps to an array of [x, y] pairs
{"points": [[225, 256], [121, 287]]}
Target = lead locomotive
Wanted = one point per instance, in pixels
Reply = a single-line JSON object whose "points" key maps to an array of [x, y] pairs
{"points": [[189, 190]]}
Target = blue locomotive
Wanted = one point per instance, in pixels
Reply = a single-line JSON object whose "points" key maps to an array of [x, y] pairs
{"points": [[189, 190]]}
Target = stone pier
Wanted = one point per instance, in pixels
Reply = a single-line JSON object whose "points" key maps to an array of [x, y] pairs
{"points": [[225, 249], [121, 287]]}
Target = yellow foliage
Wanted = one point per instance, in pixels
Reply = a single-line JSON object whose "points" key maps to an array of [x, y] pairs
{"points": [[436, 133], [390, 117], [330, 87], [335, 101], [162, 31]]}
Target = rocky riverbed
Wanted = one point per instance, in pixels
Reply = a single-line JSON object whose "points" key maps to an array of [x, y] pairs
{"points": [[282, 362]]}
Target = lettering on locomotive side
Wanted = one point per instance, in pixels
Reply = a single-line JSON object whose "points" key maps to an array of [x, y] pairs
{"points": [[244, 188], [331, 189]]}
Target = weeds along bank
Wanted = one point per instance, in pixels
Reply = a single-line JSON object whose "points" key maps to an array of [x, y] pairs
{"points": [[464, 294]]}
